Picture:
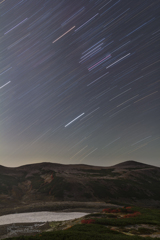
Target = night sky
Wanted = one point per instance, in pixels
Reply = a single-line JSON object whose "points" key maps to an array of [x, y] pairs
{"points": [[79, 81]]}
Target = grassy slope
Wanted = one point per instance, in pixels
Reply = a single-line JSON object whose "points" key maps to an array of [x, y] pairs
{"points": [[82, 233]]}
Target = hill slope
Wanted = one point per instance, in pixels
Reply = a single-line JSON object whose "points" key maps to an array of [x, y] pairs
{"points": [[128, 182]]}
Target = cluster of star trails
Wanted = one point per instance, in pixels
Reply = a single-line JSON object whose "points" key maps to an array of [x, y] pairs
{"points": [[79, 83]]}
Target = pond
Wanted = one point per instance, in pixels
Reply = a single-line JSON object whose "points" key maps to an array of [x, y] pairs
{"points": [[39, 217]]}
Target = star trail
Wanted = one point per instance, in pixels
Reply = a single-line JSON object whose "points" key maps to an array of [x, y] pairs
{"points": [[79, 81]]}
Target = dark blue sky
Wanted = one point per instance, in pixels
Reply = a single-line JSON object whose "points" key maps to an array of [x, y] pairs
{"points": [[79, 81]]}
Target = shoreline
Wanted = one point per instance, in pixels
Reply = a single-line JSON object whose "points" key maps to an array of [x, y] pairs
{"points": [[89, 207]]}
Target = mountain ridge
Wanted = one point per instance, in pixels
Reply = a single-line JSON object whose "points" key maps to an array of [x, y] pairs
{"points": [[127, 163], [127, 182]]}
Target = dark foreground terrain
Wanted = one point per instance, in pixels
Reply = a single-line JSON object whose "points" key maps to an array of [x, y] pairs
{"points": [[36, 186], [57, 187], [132, 223]]}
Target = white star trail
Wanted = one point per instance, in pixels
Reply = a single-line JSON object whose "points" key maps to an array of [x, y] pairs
{"points": [[74, 120], [5, 84]]}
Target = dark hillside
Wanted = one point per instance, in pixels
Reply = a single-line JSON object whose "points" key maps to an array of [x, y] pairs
{"points": [[127, 182]]}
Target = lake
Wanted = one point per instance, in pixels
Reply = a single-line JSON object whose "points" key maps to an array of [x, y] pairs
{"points": [[39, 217]]}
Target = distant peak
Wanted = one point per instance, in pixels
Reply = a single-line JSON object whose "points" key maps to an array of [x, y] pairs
{"points": [[131, 164]]}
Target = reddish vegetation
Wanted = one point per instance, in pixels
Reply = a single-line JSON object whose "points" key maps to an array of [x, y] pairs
{"points": [[109, 210], [135, 214], [87, 221], [128, 210]]}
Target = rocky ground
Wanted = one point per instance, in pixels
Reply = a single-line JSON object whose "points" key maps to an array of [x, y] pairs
{"points": [[18, 229]]}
